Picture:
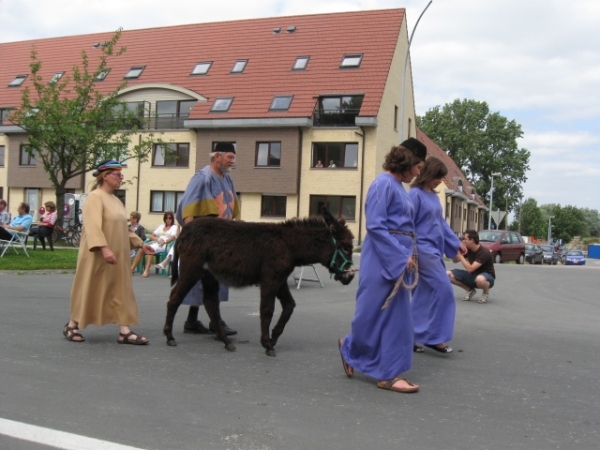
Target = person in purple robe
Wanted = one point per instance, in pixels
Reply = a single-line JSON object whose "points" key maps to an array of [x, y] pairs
{"points": [[380, 344], [433, 305]]}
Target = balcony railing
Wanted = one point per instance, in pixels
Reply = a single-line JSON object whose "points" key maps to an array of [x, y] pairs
{"points": [[335, 118]]}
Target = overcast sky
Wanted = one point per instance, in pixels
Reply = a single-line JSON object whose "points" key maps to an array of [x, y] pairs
{"points": [[534, 61]]}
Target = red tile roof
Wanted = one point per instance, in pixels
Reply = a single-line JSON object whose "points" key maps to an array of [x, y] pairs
{"points": [[454, 172], [170, 54]]}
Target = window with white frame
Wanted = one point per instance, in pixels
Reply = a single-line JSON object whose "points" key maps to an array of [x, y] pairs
{"points": [[163, 201]]}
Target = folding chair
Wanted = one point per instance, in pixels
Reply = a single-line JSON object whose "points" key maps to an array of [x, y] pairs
{"points": [[300, 277], [18, 240]]}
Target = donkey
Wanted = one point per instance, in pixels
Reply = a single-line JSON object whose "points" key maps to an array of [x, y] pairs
{"points": [[242, 254]]}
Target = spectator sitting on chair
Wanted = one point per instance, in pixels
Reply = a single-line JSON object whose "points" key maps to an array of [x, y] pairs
{"points": [[20, 223], [137, 228], [479, 266], [161, 236], [319, 164], [4, 214], [44, 229], [331, 163]]}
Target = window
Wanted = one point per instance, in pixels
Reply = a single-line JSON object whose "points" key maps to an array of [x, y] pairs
{"points": [[4, 113], [395, 118], [273, 206], [113, 151], [163, 201], [57, 76], [335, 155], [351, 61], [134, 72], [121, 194], [338, 111], [339, 206], [26, 159], [201, 68], [301, 63], [222, 104], [281, 103], [100, 76], [268, 154], [170, 114], [171, 155], [239, 66], [2, 150], [18, 81], [133, 112]]}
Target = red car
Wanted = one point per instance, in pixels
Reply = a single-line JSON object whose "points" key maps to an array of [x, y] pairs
{"points": [[504, 245]]}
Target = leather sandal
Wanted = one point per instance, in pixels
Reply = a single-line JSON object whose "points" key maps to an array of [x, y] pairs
{"points": [[127, 339], [72, 332], [347, 368], [389, 386], [444, 349]]}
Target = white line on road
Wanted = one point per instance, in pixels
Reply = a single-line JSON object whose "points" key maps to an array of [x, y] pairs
{"points": [[54, 438]]}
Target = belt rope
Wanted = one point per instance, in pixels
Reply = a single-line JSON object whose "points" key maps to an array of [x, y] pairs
{"points": [[401, 279]]}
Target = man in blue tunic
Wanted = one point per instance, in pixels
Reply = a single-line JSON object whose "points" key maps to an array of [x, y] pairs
{"points": [[433, 304], [210, 192], [381, 342]]}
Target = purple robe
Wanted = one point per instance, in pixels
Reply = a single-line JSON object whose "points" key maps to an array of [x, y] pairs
{"points": [[381, 341], [433, 303]]}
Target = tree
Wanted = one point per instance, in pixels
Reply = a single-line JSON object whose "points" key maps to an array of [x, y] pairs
{"points": [[532, 219], [568, 221], [72, 125], [481, 143], [592, 219]]}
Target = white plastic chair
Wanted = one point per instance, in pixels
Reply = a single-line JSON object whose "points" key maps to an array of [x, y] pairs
{"points": [[298, 279], [17, 241]]}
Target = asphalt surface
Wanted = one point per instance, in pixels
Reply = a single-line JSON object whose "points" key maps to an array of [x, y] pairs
{"points": [[524, 373]]}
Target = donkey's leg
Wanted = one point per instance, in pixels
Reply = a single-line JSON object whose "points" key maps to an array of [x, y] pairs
{"points": [[213, 308], [185, 283], [267, 308], [287, 308]]}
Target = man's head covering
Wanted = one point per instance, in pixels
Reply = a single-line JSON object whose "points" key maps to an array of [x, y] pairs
{"points": [[417, 147], [225, 147], [111, 164]]}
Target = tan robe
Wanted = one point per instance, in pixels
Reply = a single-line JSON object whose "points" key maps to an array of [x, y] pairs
{"points": [[103, 293]]}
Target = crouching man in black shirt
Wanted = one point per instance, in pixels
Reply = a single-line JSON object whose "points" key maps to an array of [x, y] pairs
{"points": [[479, 266]]}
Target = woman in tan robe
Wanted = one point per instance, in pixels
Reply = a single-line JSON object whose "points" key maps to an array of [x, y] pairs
{"points": [[102, 290]]}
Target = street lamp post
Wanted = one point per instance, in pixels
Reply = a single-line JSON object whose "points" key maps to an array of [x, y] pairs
{"points": [[401, 127], [550, 229], [495, 174]]}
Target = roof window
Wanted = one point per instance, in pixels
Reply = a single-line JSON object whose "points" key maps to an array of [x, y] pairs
{"points": [[18, 81], [222, 104], [351, 61], [134, 72], [57, 76], [281, 103], [239, 66], [102, 74], [201, 68], [301, 63]]}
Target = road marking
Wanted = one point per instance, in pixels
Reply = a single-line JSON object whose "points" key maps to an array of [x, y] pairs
{"points": [[54, 438]]}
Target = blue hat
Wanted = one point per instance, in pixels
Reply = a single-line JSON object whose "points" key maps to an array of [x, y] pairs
{"points": [[111, 164]]}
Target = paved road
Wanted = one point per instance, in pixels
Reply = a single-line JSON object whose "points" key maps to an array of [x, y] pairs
{"points": [[524, 374]]}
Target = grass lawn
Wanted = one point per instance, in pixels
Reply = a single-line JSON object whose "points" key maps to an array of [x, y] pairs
{"points": [[59, 259]]}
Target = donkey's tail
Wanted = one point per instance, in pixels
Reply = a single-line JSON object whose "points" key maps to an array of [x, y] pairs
{"points": [[175, 266]]}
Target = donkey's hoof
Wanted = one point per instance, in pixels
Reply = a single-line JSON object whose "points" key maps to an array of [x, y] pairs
{"points": [[172, 343], [270, 352], [230, 347]]}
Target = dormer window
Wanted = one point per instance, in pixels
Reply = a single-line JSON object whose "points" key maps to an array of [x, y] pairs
{"points": [[134, 72], [350, 61], [222, 104], [301, 63], [18, 81], [201, 68], [57, 76], [281, 103], [239, 66], [100, 76]]}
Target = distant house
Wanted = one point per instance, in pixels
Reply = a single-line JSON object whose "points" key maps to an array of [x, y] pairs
{"points": [[289, 92], [463, 208]]}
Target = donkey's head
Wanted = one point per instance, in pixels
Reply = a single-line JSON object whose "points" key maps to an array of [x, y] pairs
{"points": [[340, 264]]}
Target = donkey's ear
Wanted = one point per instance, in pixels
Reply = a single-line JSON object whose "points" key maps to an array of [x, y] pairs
{"points": [[329, 219]]}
